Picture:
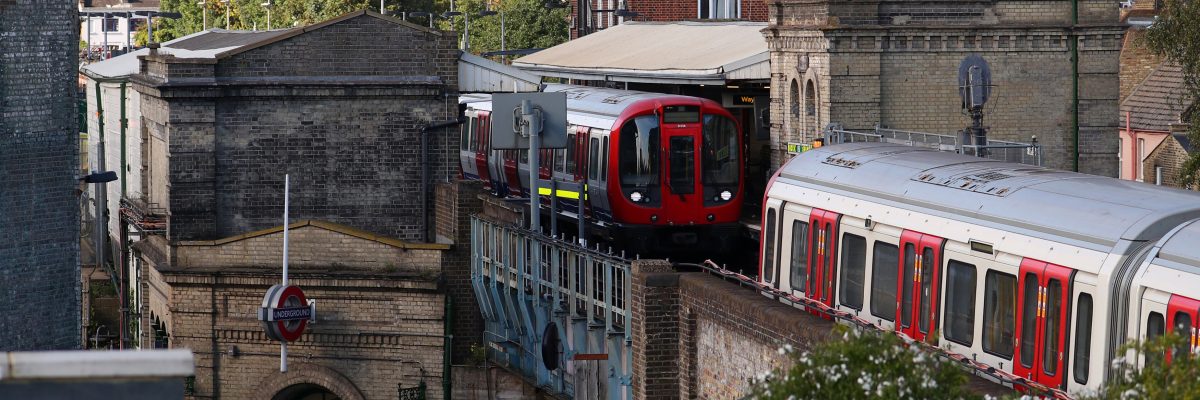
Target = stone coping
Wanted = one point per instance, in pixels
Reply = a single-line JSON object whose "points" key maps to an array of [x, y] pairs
{"points": [[343, 229], [83, 364]]}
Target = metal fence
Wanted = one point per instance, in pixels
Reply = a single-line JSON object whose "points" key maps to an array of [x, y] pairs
{"points": [[1015, 152], [528, 284]]}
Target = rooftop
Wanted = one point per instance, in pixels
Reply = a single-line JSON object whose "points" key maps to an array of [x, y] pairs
{"points": [[1158, 101]]}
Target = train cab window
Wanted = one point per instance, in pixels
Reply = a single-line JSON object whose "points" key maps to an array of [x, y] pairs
{"points": [[854, 265], [1029, 316], [594, 159], [910, 267], [999, 313], [959, 323], [799, 265], [1083, 338], [768, 255], [883, 280], [1155, 327], [637, 158], [1183, 327], [1053, 324], [571, 167], [604, 161], [682, 178], [719, 161]]}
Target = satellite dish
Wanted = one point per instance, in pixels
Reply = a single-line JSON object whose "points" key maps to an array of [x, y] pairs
{"points": [[550, 346], [974, 82]]}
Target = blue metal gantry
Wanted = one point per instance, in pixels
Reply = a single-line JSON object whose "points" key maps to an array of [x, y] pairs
{"points": [[584, 292]]}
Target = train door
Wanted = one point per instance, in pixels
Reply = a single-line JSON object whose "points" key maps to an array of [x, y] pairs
{"points": [[823, 237], [481, 147], [511, 175], [793, 259], [920, 267], [1181, 316], [1044, 292], [770, 243], [1152, 321], [470, 169], [681, 198], [595, 188]]}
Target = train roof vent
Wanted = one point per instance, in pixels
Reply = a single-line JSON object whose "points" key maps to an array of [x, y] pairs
{"points": [[982, 179], [855, 159]]}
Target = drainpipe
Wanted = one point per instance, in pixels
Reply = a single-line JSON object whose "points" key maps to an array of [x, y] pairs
{"points": [[425, 172], [1075, 79]]}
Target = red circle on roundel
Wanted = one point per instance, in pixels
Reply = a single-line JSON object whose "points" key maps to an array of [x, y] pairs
{"points": [[291, 296]]}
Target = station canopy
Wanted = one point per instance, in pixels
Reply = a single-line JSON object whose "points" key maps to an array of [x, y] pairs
{"points": [[687, 52]]}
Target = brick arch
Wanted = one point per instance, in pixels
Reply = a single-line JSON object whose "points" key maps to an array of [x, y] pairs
{"points": [[301, 373]]}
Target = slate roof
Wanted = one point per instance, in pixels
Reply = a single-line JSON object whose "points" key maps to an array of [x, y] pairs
{"points": [[1158, 101]]}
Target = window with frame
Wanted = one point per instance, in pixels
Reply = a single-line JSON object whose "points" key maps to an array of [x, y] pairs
{"points": [[1155, 327], [768, 261], [594, 161], [1029, 316], [111, 24], [604, 160], [718, 9], [854, 266], [1183, 327], [571, 157], [1083, 338], [1053, 323], [959, 323], [799, 265], [883, 280], [464, 137], [999, 313]]}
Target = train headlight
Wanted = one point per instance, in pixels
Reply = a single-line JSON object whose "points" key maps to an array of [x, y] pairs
{"points": [[726, 195], [636, 197]]}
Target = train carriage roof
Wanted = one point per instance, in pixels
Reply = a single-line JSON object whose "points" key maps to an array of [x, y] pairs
{"points": [[1183, 245], [590, 106], [1083, 207]]}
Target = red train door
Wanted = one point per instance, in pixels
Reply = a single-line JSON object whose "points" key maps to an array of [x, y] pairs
{"points": [[1044, 293], [681, 198], [511, 173], [483, 146], [919, 272], [1181, 316], [822, 268]]}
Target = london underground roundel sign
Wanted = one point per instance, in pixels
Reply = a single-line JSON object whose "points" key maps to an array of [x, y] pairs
{"points": [[285, 312]]}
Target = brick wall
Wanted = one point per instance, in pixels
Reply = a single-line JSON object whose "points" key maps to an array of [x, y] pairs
{"points": [[39, 159], [340, 113], [696, 336], [456, 203], [900, 71], [1170, 156], [660, 11], [1137, 62]]}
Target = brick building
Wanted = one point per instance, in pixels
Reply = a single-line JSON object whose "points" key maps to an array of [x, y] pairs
{"points": [[39, 160], [895, 64], [591, 16], [1153, 134], [355, 110]]}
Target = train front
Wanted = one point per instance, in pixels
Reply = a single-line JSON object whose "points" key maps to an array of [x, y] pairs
{"points": [[679, 175]]}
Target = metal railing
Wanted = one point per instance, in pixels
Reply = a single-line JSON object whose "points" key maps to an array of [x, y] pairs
{"points": [[1015, 152], [584, 291]]}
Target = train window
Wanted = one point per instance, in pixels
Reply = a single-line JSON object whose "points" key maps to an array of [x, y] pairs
{"points": [[1155, 327], [524, 156], [571, 167], [999, 313], [604, 161], [1183, 327], [1053, 318], [799, 255], [638, 149], [768, 237], [883, 280], [560, 159], [594, 159], [910, 267], [474, 134], [464, 137], [854, 265], [719, 157], [926, 289], [959, 323], [1029, 316], [682, 178], [1083, 338]]}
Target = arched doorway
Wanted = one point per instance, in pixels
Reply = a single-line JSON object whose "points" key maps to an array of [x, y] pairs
{"points": [[305, 391]]}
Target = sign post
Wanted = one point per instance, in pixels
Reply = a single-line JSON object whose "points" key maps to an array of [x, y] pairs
{"points": [[285, 311]]}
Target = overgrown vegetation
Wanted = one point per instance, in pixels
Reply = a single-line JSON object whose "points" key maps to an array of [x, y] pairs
{"points": [[1175, 35], [1159, 378]]}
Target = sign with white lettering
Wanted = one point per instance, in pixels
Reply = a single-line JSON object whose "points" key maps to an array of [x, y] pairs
{"points": [[285, 312]]}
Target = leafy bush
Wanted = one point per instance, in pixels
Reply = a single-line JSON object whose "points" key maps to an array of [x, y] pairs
{"points": [[1157, 379], [865, 365]]}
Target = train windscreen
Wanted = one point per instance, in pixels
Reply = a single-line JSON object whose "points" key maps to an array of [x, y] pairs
{"points": [[637, 156], [719, 159]]}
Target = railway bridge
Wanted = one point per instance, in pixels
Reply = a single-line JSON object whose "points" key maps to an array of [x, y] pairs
{"points": [[586, 323]]}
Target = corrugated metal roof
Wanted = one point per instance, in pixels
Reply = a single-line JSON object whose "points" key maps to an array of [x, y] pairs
{"points": [[1088, 208], [660, 52], [1158, 101]]}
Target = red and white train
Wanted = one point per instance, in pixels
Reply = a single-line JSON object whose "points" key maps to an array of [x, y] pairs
{"points": [[1040, 274], [661, 171]]}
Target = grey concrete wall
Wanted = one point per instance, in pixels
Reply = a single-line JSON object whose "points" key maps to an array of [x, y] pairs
{"points": [[39, 160]]}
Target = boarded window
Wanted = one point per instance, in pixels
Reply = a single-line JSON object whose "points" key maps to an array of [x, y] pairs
{"points": [[999, 313], [1083, 338], [883, 280], [854, 265], [799, 265], [960, 303]]}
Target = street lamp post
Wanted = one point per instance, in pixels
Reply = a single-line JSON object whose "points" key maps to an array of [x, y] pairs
{"points": [[268, 6], [204, 14], [227, 11]]}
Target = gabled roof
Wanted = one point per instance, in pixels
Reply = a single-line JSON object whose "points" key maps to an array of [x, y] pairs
{"points": [[304, 29], [203, 44], [1158, 101], [685, 52]]}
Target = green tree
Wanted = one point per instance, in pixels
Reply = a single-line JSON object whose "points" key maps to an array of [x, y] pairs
{"points": [[527, 24], [1157, 379], [865, 365], [1176, 37], [250, 14]]}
